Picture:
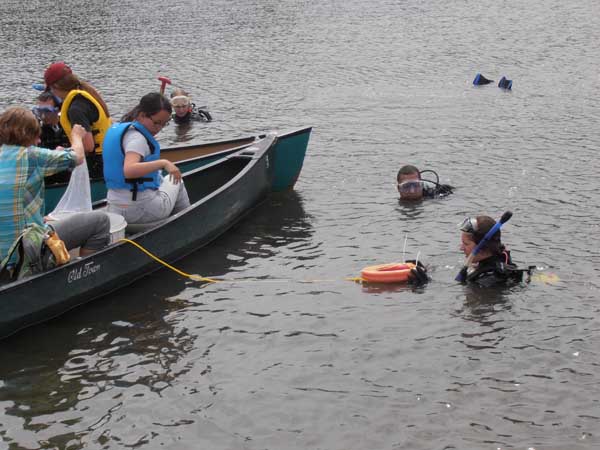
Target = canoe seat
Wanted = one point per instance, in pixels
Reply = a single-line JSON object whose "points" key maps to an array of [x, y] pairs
{"points": [[133, 228]]}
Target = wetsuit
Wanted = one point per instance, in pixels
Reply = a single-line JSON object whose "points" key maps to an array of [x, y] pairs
{"points": [[194, 115], [53, 136], [497, 269], [431, 189]]}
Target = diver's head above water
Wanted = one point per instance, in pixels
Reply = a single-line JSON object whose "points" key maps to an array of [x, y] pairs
{"points": [[473, 231], [409, 183]]}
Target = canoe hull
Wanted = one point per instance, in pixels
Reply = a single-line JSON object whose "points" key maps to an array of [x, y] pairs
{"points": [[289, 153], [221, 193]]}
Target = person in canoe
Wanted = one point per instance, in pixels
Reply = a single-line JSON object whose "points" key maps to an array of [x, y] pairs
{"points": [[23, 167], [412, 186], [46, 110], [82, 105], [492, 264], [184, 110], [53, 136], [133, 167]]}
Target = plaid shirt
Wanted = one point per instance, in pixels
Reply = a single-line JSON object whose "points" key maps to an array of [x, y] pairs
{"points": [[22, 172]]}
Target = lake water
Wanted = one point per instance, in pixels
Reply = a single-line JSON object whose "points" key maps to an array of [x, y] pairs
{"points": [[289, 354]]}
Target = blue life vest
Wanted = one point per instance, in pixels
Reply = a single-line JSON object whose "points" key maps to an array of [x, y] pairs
{"points": [[113, 155]]}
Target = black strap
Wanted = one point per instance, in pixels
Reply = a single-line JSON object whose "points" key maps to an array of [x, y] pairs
{"points": [[135, 182], [18, 243]]}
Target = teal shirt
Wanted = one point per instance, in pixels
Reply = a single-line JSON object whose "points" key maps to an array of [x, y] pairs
{"points": [[22, 172]]}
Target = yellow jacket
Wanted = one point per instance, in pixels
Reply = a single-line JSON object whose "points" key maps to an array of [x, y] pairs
{"points": [[99, 127]]}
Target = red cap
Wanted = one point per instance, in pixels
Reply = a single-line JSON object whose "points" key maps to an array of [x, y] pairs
{"points": [[56, 71]]}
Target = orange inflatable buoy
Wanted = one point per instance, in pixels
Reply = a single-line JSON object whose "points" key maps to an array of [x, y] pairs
{"points": [[388, 273]]}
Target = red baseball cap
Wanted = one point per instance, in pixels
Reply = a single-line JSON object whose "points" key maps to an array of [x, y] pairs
{"points": [[56, 71]]}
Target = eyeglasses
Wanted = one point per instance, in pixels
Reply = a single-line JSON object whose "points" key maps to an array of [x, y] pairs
{"points": [[160, 123], [469, 225]]}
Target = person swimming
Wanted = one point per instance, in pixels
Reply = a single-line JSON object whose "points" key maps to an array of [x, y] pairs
{"points": [[492, 263], [184, 111], [412, 186]]}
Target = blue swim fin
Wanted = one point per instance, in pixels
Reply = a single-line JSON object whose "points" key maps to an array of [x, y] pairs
{"points": [[481, 80], [505, 84]]}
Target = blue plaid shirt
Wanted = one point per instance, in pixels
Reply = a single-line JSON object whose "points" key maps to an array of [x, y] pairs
{"points": [[22, 172]]}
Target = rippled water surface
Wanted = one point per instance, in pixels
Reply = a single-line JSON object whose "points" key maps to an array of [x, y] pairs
{"points": [[290, 354]]}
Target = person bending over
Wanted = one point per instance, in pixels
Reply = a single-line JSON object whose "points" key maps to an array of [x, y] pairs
{"points": [[133, 167], [81, 105]]}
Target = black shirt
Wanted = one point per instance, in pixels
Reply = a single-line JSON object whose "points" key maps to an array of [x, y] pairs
{"points": [[83, 112]]}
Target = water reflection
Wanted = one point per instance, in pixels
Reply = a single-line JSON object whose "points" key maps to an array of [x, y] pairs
{"points": [[279, 222], [183, 132], [125, 345], [411, 209], [482, 302]]}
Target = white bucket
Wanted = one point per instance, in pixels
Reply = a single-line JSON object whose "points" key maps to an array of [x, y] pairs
{"points": [[117, 224]]}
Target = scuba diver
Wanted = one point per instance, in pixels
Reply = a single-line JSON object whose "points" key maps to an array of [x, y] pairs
{"points": [[412, 186], [47, 112], [184, 111], [491, 263]]}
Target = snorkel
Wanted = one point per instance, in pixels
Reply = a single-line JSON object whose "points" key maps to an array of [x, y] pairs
{"points": [[462, 275], [163, 83]]}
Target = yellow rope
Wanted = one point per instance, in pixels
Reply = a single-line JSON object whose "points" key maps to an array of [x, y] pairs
{"points": [[550, 278], [190, 276]]}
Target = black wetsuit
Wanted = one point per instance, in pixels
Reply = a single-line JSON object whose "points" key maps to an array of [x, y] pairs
{"points": [[53, 136], [194, 115], [497, 269], [431, 189]]}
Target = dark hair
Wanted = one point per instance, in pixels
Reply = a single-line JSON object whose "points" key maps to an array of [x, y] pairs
{"points": [[485, 224], [47, 96], [149, 105], [18, 126], [70, 81], [407, 170]]}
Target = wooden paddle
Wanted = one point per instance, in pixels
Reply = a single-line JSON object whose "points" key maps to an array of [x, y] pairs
{"points": [[462, 275]]}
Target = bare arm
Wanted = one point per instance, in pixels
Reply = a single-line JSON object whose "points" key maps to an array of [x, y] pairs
{"points": [[77, 136], [88, 142], [133, 167]]}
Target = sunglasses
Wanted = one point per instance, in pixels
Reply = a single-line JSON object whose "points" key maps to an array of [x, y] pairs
{"points": [[469, 225]]}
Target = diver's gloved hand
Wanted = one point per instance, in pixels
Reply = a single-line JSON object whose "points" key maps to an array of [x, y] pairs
{"points": [[418, 275]]}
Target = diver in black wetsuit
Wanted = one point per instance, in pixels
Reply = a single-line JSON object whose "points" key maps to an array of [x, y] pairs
{"points": [[492, 265], [52, 134], [46, 111], [412, 186], [184, 111]]}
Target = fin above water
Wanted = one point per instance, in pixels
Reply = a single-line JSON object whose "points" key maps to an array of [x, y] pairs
{"points": [[480, 80]]}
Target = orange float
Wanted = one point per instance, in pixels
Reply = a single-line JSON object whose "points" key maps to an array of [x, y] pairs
{"points": [[387, 273]]}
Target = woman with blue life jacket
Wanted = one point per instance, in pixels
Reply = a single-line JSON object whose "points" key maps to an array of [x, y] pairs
{"points": [[81, 105], [133, 167], [23, 166], [492, 264]]}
